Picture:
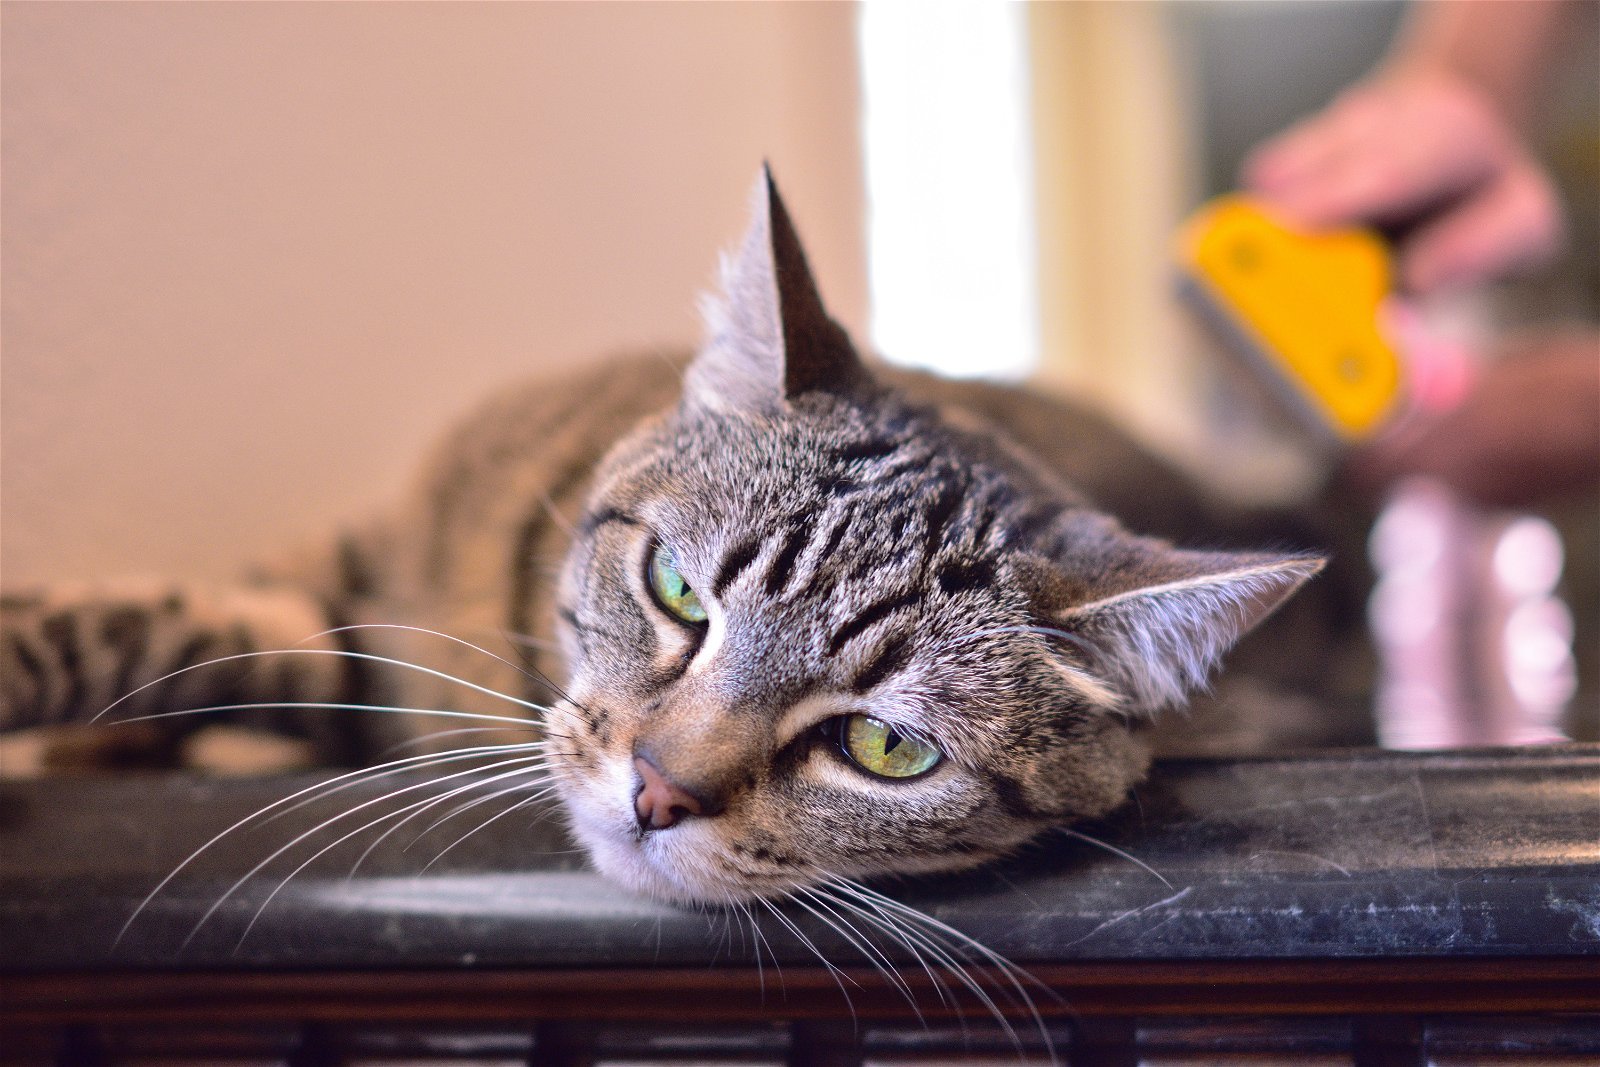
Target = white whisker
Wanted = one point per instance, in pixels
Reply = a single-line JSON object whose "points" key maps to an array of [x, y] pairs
{"points": [[759, 941], [909, 938], [511, 720], [523, 803], [861, 943], [942, 954], [435, 735], [1015, 976], [839, 977], [353, 777], [556, 517], [1114, 850], [449, 794], [421, 630], [402, 766], [420, 806], [467, 805], [366, 656], [323, 825], [918, 943], [1016, 973], [523, 669], [534, 643]]}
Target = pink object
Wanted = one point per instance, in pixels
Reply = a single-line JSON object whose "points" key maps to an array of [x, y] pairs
{"points": [[1440, 370], [1476, 647]]}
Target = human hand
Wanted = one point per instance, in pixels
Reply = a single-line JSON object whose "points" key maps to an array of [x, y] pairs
{"points": [[1420, 147], [1528, 429]]}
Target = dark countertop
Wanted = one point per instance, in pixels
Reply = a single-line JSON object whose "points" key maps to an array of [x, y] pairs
{"points": [[1325, 856]]}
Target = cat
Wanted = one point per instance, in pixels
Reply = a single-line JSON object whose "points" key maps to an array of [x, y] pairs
{"points": [[789, 617]]}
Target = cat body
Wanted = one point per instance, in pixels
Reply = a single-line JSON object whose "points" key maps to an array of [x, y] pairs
{"points": [[788, 618]]}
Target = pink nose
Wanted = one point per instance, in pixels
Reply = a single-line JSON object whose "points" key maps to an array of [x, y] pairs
{"points": [[662, 802]]}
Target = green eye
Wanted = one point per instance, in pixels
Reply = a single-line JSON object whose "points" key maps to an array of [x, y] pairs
{"points": [[880, 749], [672, 592]]}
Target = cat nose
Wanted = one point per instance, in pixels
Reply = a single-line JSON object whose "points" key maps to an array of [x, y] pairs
{"points": [[661, 802]]}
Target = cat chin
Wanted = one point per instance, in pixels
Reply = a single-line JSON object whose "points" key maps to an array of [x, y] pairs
{"points": [[622, 863], [624, 859]]}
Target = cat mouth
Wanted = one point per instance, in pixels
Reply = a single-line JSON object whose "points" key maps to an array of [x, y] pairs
{"points": [[682, 864], [679, 864]]}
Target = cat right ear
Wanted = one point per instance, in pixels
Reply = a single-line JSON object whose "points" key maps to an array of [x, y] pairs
{"points": [[769, 338], [1158, 641]]}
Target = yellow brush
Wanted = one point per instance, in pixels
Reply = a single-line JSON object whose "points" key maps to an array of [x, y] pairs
{"points": [[1303, 308]]}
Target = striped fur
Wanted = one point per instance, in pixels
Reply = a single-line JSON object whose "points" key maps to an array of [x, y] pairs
{"points": [[863, 542]]}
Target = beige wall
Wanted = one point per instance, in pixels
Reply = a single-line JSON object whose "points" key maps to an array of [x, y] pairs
{"points": [[256, 255]]}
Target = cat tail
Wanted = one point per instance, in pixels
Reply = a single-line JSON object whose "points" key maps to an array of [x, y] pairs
{"points": [[120, 670]]}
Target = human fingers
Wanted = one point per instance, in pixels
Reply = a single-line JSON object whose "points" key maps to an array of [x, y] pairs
{"points": [[1384, 152], [1530, 429], [1289, 170], [1512, 222], [1299, 153]]}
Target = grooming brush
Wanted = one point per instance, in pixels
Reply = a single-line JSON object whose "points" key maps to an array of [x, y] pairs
{"points": [[1301, 310], [1453, 623]]}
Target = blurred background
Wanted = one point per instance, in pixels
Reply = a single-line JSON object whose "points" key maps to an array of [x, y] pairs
{"points": [[257, 255]]}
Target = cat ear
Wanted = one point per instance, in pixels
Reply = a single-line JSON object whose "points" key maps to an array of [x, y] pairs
{"points": [[769, 338], [1158, 642]]}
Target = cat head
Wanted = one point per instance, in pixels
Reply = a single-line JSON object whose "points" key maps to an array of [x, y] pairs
{"points": [[815, 629]]}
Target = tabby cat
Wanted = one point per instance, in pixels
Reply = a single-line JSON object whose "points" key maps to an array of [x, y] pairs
{"points": [[810, 620]]}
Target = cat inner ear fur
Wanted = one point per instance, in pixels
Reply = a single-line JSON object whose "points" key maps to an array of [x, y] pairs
{"points": [[769, 338], [1156, 643]]}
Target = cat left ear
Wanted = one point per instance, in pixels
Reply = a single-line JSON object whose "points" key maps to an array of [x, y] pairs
{"points": [[769, 338], [1157, 643]]}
